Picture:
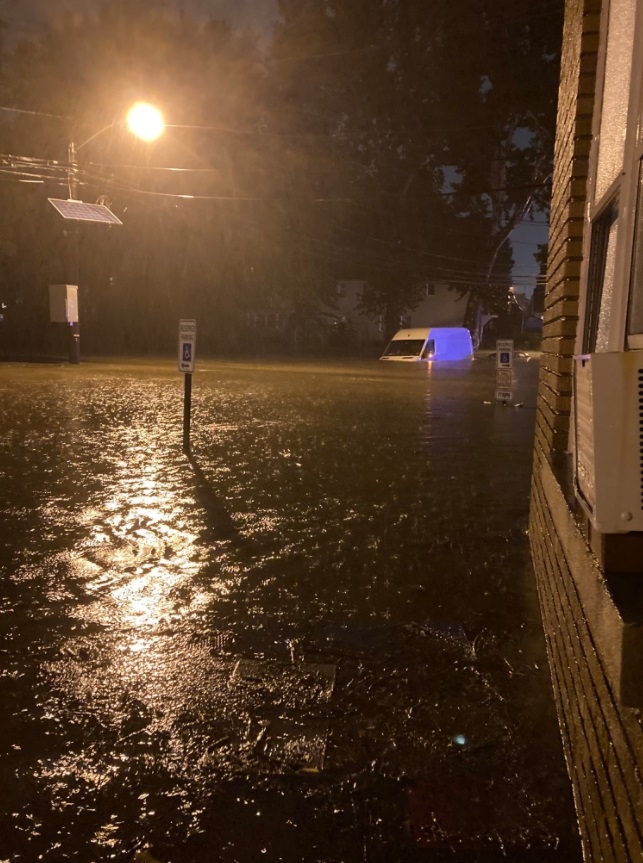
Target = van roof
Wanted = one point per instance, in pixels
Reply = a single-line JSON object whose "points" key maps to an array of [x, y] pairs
{"points": [[419, 333], [423, 332]]}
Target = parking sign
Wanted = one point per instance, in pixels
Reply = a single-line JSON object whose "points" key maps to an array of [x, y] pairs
{"points": [[187, 345], [504, 379], [504, 354], [504, 366]]}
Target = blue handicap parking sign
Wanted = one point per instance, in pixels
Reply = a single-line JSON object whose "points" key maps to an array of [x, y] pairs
{"points": [[187, 352], [504, 357]]}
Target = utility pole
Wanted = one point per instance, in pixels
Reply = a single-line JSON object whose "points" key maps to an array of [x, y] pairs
{"points": [[73, 255], [73, 172], [145, 122]]}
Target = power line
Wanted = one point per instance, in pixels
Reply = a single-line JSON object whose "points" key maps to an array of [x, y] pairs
{"points": [[258, 132], [14, 173], [66, 166], [393, 244], [445, 272], [311, 198], [33, 181], [368, 257], [35, 113], [156, 168]]}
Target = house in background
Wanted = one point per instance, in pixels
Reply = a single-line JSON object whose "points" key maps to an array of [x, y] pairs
{"points": [[438, 307], [586, 523]]}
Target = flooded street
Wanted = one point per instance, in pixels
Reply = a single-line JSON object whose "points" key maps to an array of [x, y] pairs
{"points": [[316, 640]]}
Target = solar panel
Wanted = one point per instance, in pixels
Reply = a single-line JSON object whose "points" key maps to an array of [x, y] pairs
{"points": [[78, 211]]}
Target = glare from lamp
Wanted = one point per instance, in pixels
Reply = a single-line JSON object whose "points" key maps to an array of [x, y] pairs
{"points": [[145, 121]]}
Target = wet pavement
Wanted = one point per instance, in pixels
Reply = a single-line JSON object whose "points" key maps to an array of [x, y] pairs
{"points": [[316, 640]]}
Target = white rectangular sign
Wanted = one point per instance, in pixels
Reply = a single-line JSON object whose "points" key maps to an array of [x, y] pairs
{"points": [[504, 354], [504, 379], [63, 304], [187, 345], [504, 395]]}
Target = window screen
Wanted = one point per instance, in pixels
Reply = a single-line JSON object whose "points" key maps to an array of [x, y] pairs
{"points": [[600, 282], [635, 316]]}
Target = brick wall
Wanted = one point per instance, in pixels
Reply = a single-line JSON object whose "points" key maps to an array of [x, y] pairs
{"points": [[603, 740], [584, 629], [571, 158]]}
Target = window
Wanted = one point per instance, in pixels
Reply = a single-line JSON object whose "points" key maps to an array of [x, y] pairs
{"points": [[429, 350], [274, 321], [430, 289], [404, 348], [611, 302], [600, 280], [635, 314]]}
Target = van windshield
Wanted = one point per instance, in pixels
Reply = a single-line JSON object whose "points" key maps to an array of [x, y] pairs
{"points": [[404, 348]]}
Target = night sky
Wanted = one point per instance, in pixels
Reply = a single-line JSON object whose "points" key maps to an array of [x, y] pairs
{"points": [[24, 18]]}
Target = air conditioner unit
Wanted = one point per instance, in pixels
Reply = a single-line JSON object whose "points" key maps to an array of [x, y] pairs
{"points": [[608, 409]]}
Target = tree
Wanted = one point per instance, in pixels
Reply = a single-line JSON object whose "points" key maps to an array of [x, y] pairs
{"points": [[504, 81], [403, 97], [333, 69]]}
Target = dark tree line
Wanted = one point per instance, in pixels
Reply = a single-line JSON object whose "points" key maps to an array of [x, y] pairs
{"points": [[392, 141]]}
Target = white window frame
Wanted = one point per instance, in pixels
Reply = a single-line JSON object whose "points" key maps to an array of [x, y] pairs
{"points": [[624, 186]]}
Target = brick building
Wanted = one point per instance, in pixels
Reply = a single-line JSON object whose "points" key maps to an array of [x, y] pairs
{"points": [[586, 535]]}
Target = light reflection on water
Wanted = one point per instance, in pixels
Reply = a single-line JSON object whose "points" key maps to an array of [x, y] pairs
{"points": [[322, 520], [140, 560]]}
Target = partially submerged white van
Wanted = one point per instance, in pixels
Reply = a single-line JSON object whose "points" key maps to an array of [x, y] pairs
{"points": [[429, 343]]}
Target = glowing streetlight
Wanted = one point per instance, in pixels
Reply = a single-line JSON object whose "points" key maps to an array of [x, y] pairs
{"points": [[145, 121]]}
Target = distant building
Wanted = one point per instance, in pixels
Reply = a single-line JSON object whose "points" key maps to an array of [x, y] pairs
{"points": [[348, 316], [438, 307]]}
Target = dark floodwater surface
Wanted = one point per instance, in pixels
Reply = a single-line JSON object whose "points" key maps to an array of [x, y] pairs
{"points": [[318, 640]]}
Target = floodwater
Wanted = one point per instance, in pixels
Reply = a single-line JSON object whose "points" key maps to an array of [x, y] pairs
{"points": [[317, 640]]}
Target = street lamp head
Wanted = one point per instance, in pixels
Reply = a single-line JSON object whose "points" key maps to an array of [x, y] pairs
{"points": [[145, 121]]}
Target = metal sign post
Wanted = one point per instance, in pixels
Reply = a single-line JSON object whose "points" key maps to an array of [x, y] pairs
{"points": [[63, 309], [74, 211], [504, 369], [187, 354]]}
